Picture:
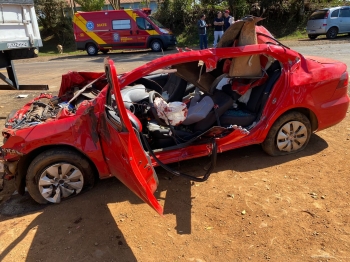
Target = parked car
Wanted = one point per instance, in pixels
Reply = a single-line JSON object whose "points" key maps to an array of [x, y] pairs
{"points": [[120, 29], [329, 21], [168, 110]]}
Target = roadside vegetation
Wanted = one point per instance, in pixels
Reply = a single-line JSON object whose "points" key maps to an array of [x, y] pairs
{"points": [[284, 19]]}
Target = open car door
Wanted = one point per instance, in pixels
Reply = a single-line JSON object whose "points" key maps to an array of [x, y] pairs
{"points": [[122, 147]]}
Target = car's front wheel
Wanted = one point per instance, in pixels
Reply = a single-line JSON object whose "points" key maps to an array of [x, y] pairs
{"points": [[58, 173], [156, 45], [332, 32], [312, 37], [289, 134]]}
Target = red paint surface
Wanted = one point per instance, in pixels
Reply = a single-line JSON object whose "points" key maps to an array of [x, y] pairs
{"points": [[308, 83]]}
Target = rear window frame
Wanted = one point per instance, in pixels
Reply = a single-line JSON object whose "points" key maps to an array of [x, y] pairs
{"points": [[322, 12], [336, 10]]}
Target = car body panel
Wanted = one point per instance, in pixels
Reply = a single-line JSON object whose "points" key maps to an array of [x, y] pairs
{"points": [[124, 154]]}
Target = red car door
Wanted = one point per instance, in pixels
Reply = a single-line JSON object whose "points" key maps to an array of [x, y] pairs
{"points": [[122, 148]]}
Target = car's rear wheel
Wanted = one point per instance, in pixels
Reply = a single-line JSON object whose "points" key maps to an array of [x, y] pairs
{"points": [[91, 49], [156, 45], [332, 32], [58, 173], [289, 134], [312, 36]]}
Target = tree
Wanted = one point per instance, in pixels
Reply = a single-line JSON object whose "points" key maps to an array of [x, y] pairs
{"points": [[115, 4], [51, 16], [50, 13], [91, 5]]}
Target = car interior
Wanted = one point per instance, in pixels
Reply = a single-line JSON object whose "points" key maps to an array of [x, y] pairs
{"points": [[209, 111]]}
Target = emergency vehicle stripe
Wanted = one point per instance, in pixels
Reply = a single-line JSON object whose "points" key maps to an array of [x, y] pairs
{"points": [[81, 23], [133, 16]]}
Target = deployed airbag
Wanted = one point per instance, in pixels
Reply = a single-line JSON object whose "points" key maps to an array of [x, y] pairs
{"points": [[173, 113]]}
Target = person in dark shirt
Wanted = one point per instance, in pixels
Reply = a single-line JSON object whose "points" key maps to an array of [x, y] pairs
{"points": [[228, 20], [218, 28], [202, 30]]}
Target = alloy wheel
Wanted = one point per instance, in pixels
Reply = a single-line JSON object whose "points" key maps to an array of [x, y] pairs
{"points": [[91, 50], [60, 181], [291, 136]]}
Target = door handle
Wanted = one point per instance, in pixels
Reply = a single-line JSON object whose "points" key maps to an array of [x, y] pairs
{"points": [[130, 32]]}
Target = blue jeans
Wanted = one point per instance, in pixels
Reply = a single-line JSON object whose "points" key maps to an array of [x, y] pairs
{"points": [[203, 41]]}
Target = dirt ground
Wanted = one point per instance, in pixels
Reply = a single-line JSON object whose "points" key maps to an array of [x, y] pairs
{"points": [[253, 208]]}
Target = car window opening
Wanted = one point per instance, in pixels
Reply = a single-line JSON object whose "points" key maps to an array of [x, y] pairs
{"points": [[189, 105]]}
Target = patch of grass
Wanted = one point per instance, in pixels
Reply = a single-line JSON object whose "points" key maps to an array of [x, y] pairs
{"points": [[49, 48], [297, 34], [190, 38]]}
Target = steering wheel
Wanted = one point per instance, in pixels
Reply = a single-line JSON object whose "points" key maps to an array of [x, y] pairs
{"points": [[153, 110], [152, 95]]}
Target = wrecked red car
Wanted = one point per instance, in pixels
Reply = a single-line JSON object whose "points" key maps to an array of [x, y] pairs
{"points": [[190, 104]]}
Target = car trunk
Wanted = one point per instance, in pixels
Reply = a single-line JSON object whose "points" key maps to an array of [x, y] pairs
{"points": [[317, 20]]}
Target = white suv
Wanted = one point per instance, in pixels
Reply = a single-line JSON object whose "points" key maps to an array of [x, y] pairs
{"points": [[329, 22]]}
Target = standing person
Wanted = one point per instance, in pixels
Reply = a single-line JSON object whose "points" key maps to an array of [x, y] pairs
{"points": [[228, 20], [202, 30], [218, 27]]}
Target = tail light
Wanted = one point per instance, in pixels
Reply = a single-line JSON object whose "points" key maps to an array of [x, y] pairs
{"points": [[344, 80], [324, 25], [326, 15]]}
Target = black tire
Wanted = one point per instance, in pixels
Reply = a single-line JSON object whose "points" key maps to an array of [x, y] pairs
{"points": [[270, 145], [312, 37], [91, 49], [105, 51], [332, 32], [57, 156], [156, 45]]}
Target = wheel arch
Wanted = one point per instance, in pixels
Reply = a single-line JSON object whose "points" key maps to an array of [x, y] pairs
{"points": [[334, 26], [305, 111], [91, 42], [25, 161], [152, 38]]}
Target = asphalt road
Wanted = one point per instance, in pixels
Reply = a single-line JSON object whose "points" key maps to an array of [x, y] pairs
{"points": [[31, 72]]}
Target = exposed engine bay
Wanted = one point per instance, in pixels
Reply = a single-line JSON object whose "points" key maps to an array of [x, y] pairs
{"points": [[48, 108]]}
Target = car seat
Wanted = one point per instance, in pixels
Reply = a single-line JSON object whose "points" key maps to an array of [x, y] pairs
{"points": [[174, 89], [245, 115], [222, 102]]}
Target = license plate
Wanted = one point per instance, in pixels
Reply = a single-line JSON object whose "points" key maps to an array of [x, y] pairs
{"points": [[2, 167], [17, 45]]}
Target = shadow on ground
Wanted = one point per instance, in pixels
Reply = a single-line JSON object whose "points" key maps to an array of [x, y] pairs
{"points": [[320, 39], [79, 216]]}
